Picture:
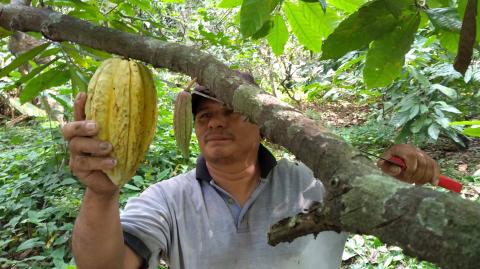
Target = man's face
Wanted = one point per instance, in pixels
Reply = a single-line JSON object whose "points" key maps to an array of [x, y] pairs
{"points": [[224, 135]]}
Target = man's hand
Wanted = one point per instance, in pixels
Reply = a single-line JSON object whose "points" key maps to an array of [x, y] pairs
{"points": [[421, 168], [88, 156]]}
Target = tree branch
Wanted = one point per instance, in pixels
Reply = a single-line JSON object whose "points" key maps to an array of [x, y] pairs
{"points": [[438, 227]]}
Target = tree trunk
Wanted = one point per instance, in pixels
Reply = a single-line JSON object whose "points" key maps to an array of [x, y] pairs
{"points": [[434, 226]]}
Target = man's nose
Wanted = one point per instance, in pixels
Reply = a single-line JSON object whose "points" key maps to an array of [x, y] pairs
{"points": [[217, 121]]}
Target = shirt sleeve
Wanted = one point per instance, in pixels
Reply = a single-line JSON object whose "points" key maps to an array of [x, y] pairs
{"points": [[146, 223]]}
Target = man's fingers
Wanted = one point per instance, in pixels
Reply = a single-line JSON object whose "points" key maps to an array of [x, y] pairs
{"points": [[89, 163], [79, 107], [430, 170], [86, 145], [388, 168], [420, 174], [79, 128]]}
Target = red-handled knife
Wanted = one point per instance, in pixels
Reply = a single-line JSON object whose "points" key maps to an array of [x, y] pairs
{"points": [[443, 181]]}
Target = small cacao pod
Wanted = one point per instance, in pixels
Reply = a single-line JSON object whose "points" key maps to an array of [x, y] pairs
{"points": [[183, 121], [123, 101]]}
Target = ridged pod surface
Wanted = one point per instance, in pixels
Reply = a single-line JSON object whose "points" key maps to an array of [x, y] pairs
{"points": [[123, 101], [183, 122]]}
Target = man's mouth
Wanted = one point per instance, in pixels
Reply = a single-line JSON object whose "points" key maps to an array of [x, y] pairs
{"points": [[211, 138]]}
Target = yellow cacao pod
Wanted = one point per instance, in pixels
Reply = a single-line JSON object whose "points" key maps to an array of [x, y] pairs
{"points": [[183, 122], [123, 101]]}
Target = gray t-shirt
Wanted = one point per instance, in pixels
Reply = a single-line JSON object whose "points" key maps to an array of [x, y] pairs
{"points": [[185, 221]]}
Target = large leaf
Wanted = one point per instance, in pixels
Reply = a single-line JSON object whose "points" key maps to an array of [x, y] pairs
{"points": [[309, 23], [475, 132], [369, 23], [79, 81], [23, 58], [30, 243], [449, 92], [348, 6], [74, 54], [446, 19], [396, 7], [438, 3], [323, 3], [51, 78], [278, 36], [434, 131], [254, 14], [264, 31], [230, 3], [386, 56], [473, 122], [29, 76], [449, 40]]}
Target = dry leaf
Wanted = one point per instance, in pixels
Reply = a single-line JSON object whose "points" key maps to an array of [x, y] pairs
{"points": [[462, 168]]}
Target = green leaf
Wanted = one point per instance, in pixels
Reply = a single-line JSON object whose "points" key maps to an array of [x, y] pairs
{"points": [[23, 58], [30, 243], [423, 80], [67, 107], [438, 3], [358, 30], [96, 54], [79, 81], [74, 54], [68, 181], [278, 36], [449, 40], [4, 32], [264, 30], [386, 57], [418, 124], [451, 109], [132, 187], [348, 6], [396, 7], [49, 52], [448, 108], [254, 14], [46, 80], [434, 131], [444, 122], [230, 3], [29, 76], [122, 26], [472, 132], [473, 122], [321, 2], [146, 5], [414, 111], [309, 23], [446, 19], [449, 92]]}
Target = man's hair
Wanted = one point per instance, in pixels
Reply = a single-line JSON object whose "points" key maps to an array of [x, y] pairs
{"points": [[198, 99]]}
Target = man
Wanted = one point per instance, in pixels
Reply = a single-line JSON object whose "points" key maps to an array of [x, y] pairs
{"points": [[215, 216]]}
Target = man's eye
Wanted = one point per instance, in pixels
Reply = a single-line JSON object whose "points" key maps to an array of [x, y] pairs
{"points": [[205, 115]]}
